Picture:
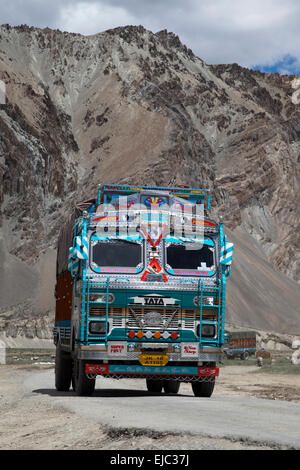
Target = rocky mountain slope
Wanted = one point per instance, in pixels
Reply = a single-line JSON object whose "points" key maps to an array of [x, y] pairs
{"points": [[127, 105]]}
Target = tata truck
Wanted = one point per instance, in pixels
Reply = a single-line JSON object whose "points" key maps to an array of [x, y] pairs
{"points": [[141, 290]]}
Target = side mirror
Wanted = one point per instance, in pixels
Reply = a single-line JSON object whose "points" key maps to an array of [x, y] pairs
{"points": [[80, 251], [226, 254], [73, 262], [226, 258]]}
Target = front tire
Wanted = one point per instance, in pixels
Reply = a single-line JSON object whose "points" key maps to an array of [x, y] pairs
{"points": [[154, 386], [63, 369], [82, 385], [203, 389], [171, 386]]}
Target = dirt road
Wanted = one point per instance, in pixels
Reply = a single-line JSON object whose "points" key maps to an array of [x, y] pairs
{"points": [[257, 411]]}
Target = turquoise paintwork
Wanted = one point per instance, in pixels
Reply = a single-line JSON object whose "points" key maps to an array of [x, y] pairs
{"points": [[166, 370], [195, 298]]}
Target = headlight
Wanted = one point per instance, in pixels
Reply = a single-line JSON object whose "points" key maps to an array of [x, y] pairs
{"points": [[207, 331], [98, 328]]}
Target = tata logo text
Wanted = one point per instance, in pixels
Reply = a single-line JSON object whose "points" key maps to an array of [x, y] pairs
{"points": [[154, 300]]}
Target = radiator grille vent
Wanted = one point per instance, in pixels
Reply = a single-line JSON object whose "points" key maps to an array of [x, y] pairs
{"points": [[171, 318]]}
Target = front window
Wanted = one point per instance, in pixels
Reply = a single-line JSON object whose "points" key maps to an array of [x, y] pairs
{"points": [[190, 259], [116, 256]]}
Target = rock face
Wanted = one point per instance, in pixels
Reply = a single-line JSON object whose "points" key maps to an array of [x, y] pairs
{"points": [[127, 105]]}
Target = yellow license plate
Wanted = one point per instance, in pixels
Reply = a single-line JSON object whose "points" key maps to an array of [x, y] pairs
{"points": [[153, 359]]}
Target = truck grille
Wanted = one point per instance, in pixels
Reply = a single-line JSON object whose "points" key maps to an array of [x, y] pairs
{"points": [[100, 310], [174, 318], [165, 316], [117, 314], [194, 314]]}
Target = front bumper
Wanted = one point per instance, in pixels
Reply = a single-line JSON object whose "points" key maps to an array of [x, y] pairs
{"points": [[179, 373], [99, 352]]}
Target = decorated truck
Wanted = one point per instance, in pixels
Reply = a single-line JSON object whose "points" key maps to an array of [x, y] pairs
{"points": [[140, 290], [240, 344]]}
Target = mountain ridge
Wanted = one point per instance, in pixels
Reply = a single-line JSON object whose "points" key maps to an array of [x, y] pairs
{"points": [[128, 105]]}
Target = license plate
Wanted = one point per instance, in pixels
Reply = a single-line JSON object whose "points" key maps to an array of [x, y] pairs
{"points": [[153, 359]]}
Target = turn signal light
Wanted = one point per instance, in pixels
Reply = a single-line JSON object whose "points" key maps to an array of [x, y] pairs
{"points": [[157, 335], [140, 334]]}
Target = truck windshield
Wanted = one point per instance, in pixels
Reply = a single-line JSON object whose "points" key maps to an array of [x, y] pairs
{"points": [[189, 258], [116, 254]]}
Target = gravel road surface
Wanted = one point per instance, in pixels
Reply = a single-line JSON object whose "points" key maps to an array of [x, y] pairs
{"points": [[123, 415]]}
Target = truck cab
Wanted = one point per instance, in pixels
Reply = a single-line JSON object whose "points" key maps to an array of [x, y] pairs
{"points": [[145, 281]]}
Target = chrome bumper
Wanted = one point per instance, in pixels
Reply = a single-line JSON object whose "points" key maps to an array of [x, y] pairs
{"points": [[99, 352]]}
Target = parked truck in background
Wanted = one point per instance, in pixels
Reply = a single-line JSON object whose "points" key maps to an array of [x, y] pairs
{"points": [[240, 344], [141, 290]]}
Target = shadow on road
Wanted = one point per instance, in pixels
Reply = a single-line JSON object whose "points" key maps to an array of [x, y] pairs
{"points": [[106, 393]]}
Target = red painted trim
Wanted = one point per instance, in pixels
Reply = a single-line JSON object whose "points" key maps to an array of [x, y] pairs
{"points": [[161, 235], [148, 236], [104, 369], [97, 368]]}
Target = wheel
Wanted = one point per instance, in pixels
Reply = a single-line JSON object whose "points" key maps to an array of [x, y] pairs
{"points": [[82, 385], [171, 386], [203, 389], [245, 356], [154, 386], [63, 369]]}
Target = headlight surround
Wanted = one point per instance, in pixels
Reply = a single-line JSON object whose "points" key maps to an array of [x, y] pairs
{"points": [[207, 331], [98, 328]]}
